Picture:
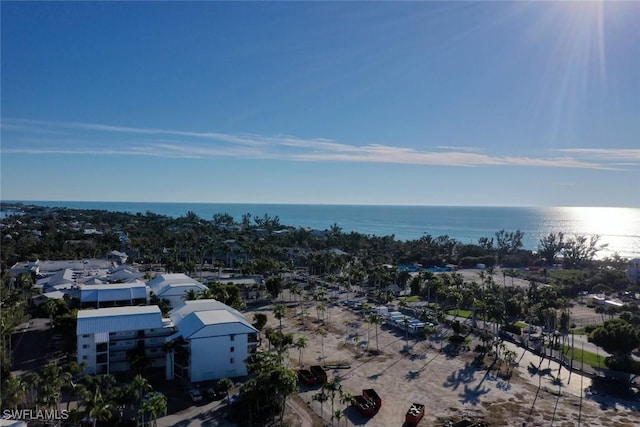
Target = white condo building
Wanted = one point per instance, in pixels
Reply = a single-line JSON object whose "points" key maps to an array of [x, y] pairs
{"points": [[173, 287], [212, 341], [105, 335]]}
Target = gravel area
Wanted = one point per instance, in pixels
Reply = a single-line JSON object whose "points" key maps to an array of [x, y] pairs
{"points": [[450, 385]]}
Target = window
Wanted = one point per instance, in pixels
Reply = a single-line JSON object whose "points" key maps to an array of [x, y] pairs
{"points": [[232, 337], [231, 360], [86, 336], [85, 346], [85, 357], [232, 349]]}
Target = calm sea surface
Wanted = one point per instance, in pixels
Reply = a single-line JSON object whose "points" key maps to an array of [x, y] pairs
{"points": [[618, 227]]}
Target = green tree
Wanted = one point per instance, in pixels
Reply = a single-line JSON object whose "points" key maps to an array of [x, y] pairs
{"points": [[550, 246], [259, 321], [279, 311], [154, 405], [617, 337], [97, 408], [300, 344], [225, 385], [508, 242], [14, 391], [376, 320], [274, 286]]}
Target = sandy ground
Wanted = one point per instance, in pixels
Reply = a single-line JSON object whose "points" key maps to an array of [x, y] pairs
{"points": [[450, 386]]}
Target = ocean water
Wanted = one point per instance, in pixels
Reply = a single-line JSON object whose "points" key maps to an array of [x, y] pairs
{"points": [[617, 227]]}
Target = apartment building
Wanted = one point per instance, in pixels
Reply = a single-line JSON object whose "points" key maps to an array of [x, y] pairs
{"points": [[212, 341], [106, 335]]}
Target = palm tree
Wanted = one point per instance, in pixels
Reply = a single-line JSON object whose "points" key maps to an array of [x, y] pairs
{"points": [[405, 322], [321, 397], [333, 387], [338, 414], [52, 385], [279, 311], [301, 344], [32, 381], [139, 386], [345, 399], [96, 407], [376, 320], [155, 405], [14, 391], [322, 332], [321, 308], [190, 295]]}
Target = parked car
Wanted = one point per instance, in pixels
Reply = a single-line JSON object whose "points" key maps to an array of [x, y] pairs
{"points": [[196, 395], [233, 398]]}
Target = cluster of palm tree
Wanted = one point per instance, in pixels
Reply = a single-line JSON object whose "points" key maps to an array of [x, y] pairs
{"points": [[97, 398], [263, 397], [334, 392]]}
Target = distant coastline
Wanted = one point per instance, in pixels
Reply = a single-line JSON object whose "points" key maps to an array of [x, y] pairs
{"points": [[618, 227]]}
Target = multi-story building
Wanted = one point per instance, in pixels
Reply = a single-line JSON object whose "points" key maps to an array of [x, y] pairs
{"points": [[212, 341], [106, 336], [116, 294], [173, 287]]}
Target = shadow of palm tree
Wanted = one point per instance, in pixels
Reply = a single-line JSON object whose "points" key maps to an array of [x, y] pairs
{"points": [[462, 376], [412, 375], [375, 376], [472, 396]]}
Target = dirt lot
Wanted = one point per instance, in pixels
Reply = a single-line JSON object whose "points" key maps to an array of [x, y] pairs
{"points": [[450, 385]]}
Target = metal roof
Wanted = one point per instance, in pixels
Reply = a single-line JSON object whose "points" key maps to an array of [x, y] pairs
{"points": [[113, 292], [205, 317], [117, 319]]}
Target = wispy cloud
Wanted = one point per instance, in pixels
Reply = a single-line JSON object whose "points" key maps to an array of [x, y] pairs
{"points": [[628, 155], [28, 136]]}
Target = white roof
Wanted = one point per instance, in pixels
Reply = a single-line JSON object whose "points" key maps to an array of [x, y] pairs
{"points": [[177, 284], [113, 292], [188, 307], [209, 318], [116, 319]]}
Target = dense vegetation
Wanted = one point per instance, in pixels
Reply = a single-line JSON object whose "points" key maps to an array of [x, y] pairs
{"points": [[261, 245]]}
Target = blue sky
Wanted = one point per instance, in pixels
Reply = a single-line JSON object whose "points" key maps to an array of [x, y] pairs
{"points": [[437, 103]]}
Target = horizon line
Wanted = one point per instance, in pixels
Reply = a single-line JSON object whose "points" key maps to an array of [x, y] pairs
{"points": [[317, 204]]}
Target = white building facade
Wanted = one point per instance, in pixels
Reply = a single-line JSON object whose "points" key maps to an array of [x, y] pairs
{"points": [[213, 341], [106, 335]]}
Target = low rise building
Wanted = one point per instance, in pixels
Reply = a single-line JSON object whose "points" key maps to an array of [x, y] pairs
{"points": [[106, 335], [173, 287], [212, 341], [112, 295]]}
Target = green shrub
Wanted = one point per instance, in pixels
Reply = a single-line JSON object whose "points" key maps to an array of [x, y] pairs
{"points": [[624, 365], [514, 329]]}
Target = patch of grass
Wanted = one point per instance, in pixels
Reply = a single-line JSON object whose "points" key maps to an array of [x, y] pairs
{"points": [[578, 331], [412, 298], [521, 325], [460, 313], [591, 359]]}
